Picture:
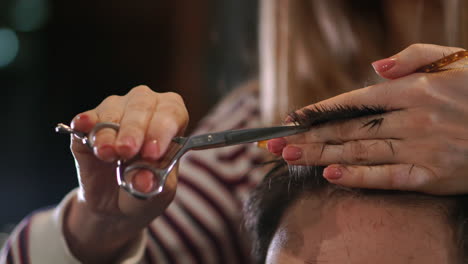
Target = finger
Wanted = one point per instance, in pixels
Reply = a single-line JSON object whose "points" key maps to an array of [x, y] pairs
{"points": [[395, 176], [170, 119], [357, 152], [390, 125], [110, 110], [84, 123], [404, 124], [131, 206], [277, 145], [138, 111], [411, 59]]}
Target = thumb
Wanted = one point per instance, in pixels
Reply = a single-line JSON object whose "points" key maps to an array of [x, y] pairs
{"points": [[411, 59]]}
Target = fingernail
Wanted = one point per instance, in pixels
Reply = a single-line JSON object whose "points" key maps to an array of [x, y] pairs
{"points": [[151, 150], [82, 117], [383, 65], [105, 152], [292, 153], [276, 145], [143, 181], [126, 146], [332, 173]]}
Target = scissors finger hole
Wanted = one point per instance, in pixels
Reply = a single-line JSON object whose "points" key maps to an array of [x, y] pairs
{"points": [[141, 179], [101, 127]]}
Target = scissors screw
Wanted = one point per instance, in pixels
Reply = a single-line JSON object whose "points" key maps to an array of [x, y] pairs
{"points": [[210, 138]]}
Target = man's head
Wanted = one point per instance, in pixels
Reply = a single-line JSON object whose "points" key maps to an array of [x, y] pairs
{"points": [[295, 216]]}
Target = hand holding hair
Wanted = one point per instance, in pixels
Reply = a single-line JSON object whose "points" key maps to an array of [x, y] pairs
{"points": [[420, 143]]}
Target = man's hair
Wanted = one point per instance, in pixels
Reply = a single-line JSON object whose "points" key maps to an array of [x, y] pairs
{"points": [[284, 185]]}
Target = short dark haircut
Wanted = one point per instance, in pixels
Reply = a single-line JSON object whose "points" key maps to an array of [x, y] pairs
{"points": [[284, 185]]}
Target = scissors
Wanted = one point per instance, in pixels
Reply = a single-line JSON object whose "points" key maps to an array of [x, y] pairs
{"points": [[127, 169]]}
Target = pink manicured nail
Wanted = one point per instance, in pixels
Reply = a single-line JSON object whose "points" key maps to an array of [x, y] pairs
{"points": [[332, 173], [292, 153], [276, 145], [82, 117], [151, 150], [383, 65], [143, 181], [105, 152], [127, 141], [126, 146]]}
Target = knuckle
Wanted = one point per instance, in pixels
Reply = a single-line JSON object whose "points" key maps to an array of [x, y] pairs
{"points": [[169, 109], [133, 130], [416, 49], [435, 91], [416, 46], [141, 89], [112, 99], [428, 90], [413, 51], [422, 87], [167, 124], [133, 126], [424, 122], [342, 132], [447, 155], [314, 152], [180, 115], [109, 117], [398, 178], [104, 136], [409, 177], [358, 173], [174, 111], [174, 96], [419, 178], [355, 152], [140, 106]]}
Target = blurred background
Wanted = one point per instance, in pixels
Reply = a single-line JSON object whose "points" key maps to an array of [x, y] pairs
{"points": [[59, 58]]}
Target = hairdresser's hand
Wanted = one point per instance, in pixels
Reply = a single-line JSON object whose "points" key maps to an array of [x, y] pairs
{"points": [[422, 146], [104, 218]]}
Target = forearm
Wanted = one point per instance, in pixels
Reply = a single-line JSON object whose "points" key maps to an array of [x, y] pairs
{"points": [[97, 239]]}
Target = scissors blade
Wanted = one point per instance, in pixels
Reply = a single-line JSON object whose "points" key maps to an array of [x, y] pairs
{"points": [[241, 136]]}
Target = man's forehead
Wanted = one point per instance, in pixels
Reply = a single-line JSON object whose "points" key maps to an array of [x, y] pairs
{"points": [[353, 230]]}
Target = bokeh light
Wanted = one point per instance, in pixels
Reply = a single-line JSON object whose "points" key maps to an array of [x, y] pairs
{"points": [[29, 15], [9, 46]]}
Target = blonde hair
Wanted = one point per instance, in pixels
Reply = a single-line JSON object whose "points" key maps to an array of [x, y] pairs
{"points": [[313, 49]]}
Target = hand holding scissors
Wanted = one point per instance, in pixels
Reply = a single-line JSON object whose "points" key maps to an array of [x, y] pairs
{"points": [[126, 170]]}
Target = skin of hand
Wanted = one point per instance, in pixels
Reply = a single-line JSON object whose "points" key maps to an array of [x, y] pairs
{"points": [[103, 219], [423, 146]]}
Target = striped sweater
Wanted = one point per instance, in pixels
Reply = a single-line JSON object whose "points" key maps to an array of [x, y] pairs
{"points": [[202, 225]]}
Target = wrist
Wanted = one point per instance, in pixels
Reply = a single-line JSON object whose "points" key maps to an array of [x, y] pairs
{"points": [[96, 238]]}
